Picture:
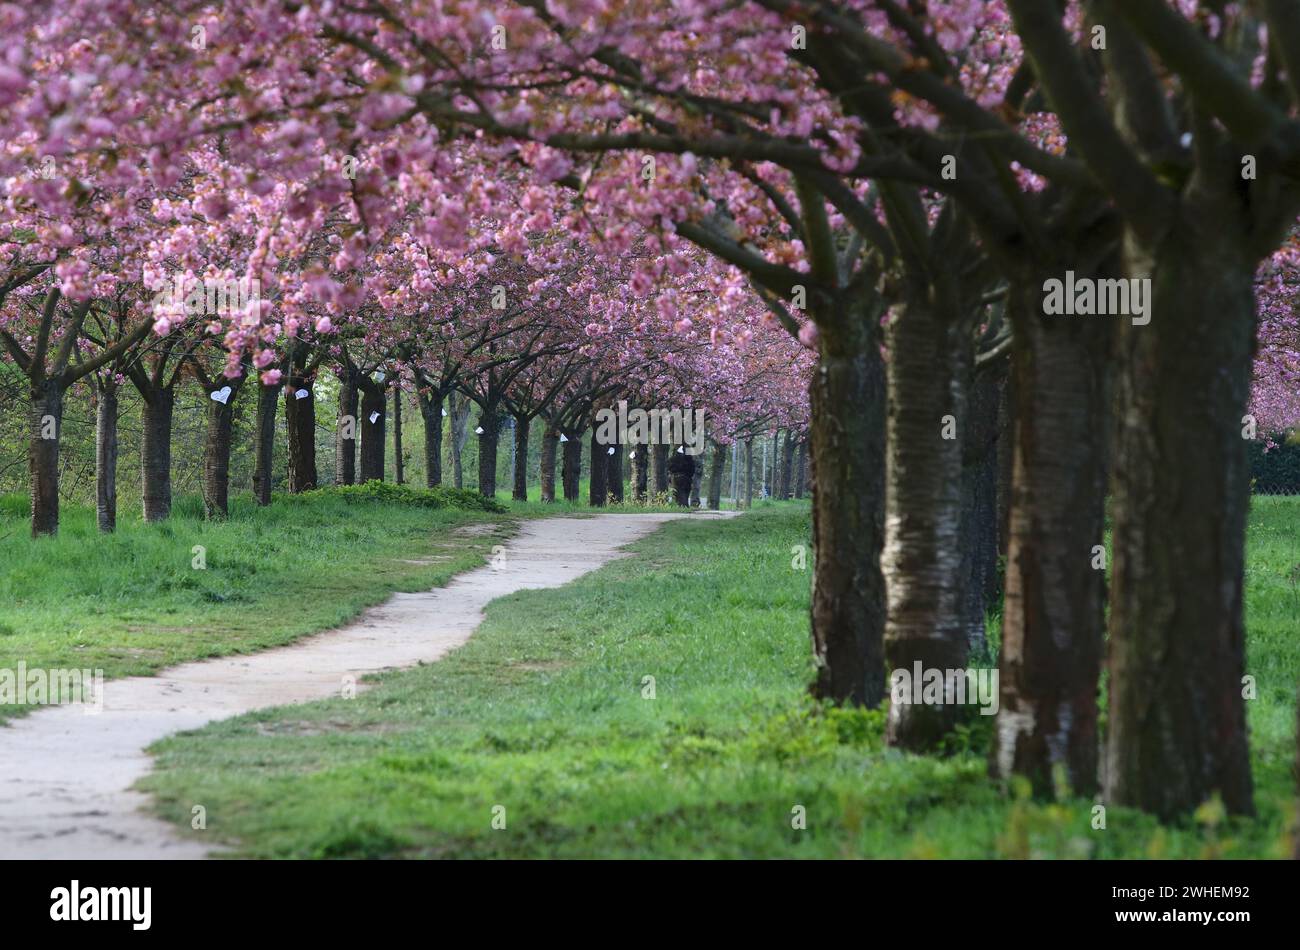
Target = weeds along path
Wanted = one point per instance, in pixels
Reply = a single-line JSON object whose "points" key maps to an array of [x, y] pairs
{"points": [[66, 786]]}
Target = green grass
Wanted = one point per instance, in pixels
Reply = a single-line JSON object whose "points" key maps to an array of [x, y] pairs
{"points": [[543, 713], [133, 602]]}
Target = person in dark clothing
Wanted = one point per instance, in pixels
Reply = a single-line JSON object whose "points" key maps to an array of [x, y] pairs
{"points": [[681, 469]]}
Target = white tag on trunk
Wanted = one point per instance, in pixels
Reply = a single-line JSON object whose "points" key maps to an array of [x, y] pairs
{"points": [[374, 417], [301, 394], [222, 395]]}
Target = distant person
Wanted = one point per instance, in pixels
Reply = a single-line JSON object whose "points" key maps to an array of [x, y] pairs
{"points": [[681, 469]]}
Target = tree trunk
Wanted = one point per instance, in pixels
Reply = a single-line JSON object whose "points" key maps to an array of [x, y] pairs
{"points": [[801, 476], [1006, 461], [267, 407], [981, 451], [614, 475], [216, 457], [399, 463], [929, 347], [156, 453], [300, 420], [848, 434], [490, 422], [520, 490], [106, 447], [715, 476], [431, 413], [640, 473], [373, 437], [697, 480], [1177, 722], [1051, 628], [787, 465], [597, 489], [550, 442], [345, 432], [571, 472], [46, 428], [659, 466], [774, 472], [749, 473], [459, 434]]}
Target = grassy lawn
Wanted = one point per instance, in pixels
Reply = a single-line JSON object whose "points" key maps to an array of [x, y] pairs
{"points": [[546, 713], [133, 602]]}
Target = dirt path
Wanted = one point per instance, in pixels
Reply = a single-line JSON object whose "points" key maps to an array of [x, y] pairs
{"points": [[66, 777]]}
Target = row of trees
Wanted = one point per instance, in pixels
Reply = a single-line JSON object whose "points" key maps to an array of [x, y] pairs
{"points": [[896, 182], [517, 366]]}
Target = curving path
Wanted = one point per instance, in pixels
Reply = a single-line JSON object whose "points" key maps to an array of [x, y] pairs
{"points": [[67, 777]]}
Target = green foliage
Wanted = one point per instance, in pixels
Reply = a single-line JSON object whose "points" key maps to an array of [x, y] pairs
{"points": [[463, 499], [1276, 471]]}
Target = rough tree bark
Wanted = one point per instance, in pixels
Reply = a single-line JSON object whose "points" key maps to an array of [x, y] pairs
{"points": [[982, 448], [345, 434], [749, 473], [571, 472], [460, 407], [156, 452], [550, 443], [801, 476], [614, 476], [490, 422], [373, 436], [431, 413], [929, 347], [787, 465], [640, 473], [300, 421], [1177, 722], [1006, 461], [106, 450], [715, 476], [659, 469], [399, 463], [45, 429], [774, 473], [264, 451], [216, 454], [597, 489], [1052, 619], [520, 488], [847, 449]]}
